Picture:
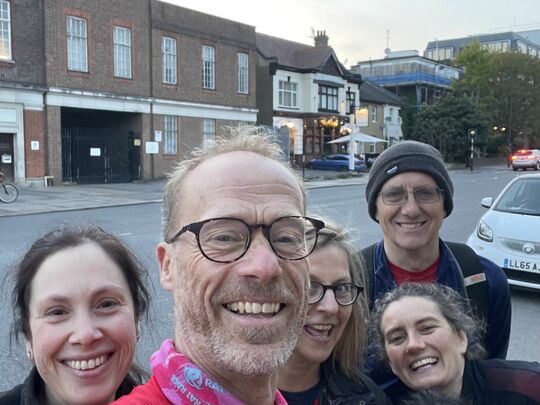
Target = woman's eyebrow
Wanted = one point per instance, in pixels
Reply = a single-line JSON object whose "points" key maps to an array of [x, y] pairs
{"points": [[416, 323]]}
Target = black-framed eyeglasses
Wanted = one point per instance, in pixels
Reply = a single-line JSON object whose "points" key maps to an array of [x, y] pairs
{"points": [[345, 293], [422, 195], [227, 239]]}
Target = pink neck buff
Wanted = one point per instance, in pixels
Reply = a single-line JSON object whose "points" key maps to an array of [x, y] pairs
{"points": [[182, 382]]}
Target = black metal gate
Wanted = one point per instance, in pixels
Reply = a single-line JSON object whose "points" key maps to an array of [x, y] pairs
{"points": [[98, 155]]}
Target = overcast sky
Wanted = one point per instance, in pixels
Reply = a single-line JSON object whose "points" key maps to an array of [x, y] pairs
{"points": [[357, 28]]}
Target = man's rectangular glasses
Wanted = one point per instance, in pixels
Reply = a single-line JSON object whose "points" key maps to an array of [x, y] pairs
{"points": [[225, 240], [422, 195]]}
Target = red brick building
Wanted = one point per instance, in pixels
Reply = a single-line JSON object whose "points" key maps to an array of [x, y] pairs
{"points": [[103, 91]]}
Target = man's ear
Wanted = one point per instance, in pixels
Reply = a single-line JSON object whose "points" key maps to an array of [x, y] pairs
{"points": [[166, 262]]}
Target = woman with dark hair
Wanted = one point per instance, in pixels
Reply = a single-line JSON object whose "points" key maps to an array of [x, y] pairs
{"points": [[78, 299], [324, 368], [431, 342]]}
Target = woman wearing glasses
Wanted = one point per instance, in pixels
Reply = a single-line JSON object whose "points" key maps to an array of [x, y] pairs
{"points": [[324, 368]]}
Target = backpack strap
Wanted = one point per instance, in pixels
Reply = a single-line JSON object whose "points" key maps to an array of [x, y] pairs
{"points": [[367, 255], [474, 276]]}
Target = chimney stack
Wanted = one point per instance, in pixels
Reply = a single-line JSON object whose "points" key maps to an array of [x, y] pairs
{"points": [[321, 39]]}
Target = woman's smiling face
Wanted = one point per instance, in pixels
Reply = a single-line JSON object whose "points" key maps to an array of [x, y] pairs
{"points": [[424, 351], [82, 325], [325, 320]]}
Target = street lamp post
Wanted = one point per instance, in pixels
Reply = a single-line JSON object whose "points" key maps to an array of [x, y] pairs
{"points": [[472, 134], [508, 147]]}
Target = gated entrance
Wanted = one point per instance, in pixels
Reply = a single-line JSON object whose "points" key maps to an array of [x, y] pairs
{"points": [[99, 155]]}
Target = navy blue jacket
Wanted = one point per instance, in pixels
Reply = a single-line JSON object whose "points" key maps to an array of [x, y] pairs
{"points": [[501, 382], [448, 273], [495, 382]]}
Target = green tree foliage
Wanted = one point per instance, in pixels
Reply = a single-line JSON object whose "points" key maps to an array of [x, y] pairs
{"points": [[475, 83], [515, 101], [506, 88], [408, 116], [445, 125]]}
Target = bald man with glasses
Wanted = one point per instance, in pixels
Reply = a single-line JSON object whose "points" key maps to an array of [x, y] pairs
{"points": [[234, 254]]}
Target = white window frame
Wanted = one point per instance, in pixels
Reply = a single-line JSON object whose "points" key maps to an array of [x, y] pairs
{"points": [[5, 30], [208, 67], [243, 72], [170, 135], [209, 130], [373, 113], [169, 58], [287, 94], [122, 51], [77, 43]]}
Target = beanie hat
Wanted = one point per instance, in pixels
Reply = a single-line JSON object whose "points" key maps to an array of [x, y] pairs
{"points": [[408, 156]]}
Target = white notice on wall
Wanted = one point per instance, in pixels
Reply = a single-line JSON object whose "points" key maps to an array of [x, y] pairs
{"points": [[34, 145], [157, 136], [95, 151], [152, 147]]}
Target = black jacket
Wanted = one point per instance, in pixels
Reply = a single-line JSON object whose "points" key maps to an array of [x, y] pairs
{"points": [[498, 382], [32, 391], [335, 388], [27, 393]]}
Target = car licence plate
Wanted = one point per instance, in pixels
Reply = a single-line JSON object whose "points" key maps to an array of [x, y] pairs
{"points": [[521, 265]]}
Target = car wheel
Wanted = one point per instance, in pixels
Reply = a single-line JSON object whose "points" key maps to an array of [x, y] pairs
{"points": [[537, 167], [309, 166], [514, 168], [343, 169]]}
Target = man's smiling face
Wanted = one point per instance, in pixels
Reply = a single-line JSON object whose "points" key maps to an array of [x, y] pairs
{"points": [[239, 318], [410, 226]]}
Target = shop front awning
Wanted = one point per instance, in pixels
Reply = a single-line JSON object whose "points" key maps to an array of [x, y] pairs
{"points": [[358, 137]]}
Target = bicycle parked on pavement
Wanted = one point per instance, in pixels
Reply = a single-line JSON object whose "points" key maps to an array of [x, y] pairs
{"points": [[8, 191]]}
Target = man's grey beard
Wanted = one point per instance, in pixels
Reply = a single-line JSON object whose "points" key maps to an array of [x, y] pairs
{"points": [[248, 359]]}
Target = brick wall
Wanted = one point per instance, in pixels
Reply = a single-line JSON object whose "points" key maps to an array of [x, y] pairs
{"points": [[54, 143], [101, 16], [34, 131], [192, 30], [27, 46]]}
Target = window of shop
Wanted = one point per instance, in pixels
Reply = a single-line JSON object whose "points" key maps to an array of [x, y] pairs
{"points": [[170, 133], [168, 49], [77, 44], [122, 52], [209, 130], [328, 98], [5, 30], [209, 67], [243, 73], [373, 113], [287, 94]]}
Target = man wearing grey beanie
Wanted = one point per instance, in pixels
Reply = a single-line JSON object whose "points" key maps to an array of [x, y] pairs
{"points": [[409, 193]]}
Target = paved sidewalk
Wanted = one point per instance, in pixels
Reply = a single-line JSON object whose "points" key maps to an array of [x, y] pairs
{"points": [[36, 200]]}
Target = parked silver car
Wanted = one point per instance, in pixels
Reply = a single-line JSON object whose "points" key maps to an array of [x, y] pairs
{"points": [[525, 159]]}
